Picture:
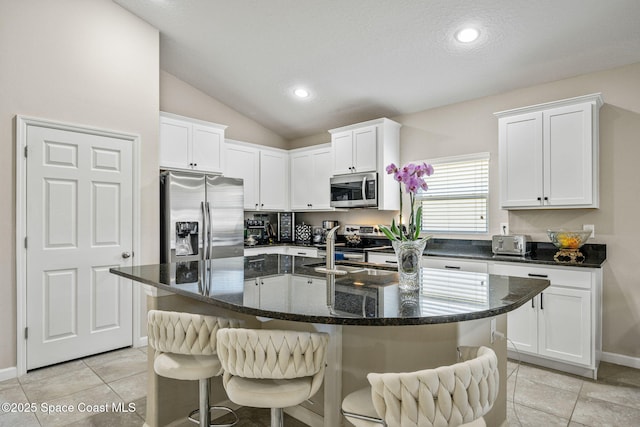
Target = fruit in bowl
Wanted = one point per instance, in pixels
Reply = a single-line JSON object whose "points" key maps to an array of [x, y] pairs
{"points": [[568, 239]]}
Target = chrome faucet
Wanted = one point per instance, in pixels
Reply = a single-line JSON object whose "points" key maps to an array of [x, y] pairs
{"points": [[331, 248]]}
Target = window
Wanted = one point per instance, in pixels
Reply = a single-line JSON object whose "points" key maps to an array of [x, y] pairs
{"points": [[457, 198]]}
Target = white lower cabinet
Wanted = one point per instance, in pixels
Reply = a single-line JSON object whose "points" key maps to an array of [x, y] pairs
{"points": [[560, 327]]}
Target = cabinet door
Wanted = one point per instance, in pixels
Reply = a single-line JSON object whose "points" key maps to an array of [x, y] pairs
{"points": [[244, 162], [274, 188], [206, 152], [522, 327], [365, 149], [309, 296], [319, 185], [564, 324], [301, 179], [175, 144], [520, 147], [568, 156], [272, 290], [251, 293], [342, 144]]}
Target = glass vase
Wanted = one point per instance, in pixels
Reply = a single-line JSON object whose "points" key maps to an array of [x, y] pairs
{"points": [[409, 254]]}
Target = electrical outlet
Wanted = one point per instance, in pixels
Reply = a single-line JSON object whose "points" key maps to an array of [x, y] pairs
{"points": [[590, 227], [504, 228]]}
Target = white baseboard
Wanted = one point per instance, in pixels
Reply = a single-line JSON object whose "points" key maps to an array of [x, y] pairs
{"points": [[8, 373], [621, 359], [140, 342]]}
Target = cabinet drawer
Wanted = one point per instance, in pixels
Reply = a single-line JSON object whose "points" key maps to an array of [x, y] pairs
{"points": [[381, 258], [293, 250], [557, 276], [454, 264]]}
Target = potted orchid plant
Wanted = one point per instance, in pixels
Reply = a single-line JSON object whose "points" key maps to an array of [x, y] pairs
{"points": [[413, 178], [406, 241]]}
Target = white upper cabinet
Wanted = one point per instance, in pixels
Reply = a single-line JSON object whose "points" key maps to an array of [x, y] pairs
{"points": [[355, 150], [265, 173], [369, 147], [310, 173], [549, 155], [190, 144]]}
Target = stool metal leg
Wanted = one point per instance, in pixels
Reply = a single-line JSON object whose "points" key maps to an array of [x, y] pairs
{"points": [[203, 413], [276, 417]]}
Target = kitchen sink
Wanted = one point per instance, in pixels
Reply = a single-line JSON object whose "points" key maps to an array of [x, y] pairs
{"points": [[350, 269]]}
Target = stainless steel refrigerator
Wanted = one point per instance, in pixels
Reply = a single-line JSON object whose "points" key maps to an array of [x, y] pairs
{"points": [[201, 217]]}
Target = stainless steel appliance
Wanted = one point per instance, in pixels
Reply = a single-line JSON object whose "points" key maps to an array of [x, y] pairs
{"points": [[360, 239], [358, 190], [510, 245], [286, 227], [201, 217]]}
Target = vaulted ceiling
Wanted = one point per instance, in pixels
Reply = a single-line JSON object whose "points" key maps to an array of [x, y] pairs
{"points": [[364, 59]]}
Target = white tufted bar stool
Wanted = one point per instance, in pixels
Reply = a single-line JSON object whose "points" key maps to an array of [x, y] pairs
{"points": [[456, 395], [271, 368], [185, 349]]}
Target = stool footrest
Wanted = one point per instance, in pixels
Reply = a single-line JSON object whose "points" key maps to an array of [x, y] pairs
{"points": [[194, 416]]}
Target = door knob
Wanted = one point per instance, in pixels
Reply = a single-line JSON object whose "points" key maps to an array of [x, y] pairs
{"points": [[126, 254]]}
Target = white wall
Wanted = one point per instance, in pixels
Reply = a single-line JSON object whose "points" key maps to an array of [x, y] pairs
{"points": [[77, 61]]}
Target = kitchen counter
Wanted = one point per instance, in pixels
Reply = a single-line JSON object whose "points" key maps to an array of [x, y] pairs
{"points": [[287, 287], [541, 252], [373, 327]]}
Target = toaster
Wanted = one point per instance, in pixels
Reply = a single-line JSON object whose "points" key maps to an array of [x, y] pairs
{"points": [[516, 244]]}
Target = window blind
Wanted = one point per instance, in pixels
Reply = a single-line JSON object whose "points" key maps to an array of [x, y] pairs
{"points": [[457, 198]]}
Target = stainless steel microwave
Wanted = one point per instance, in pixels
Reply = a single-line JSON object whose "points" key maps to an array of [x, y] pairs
{"points": [[355, 190]]}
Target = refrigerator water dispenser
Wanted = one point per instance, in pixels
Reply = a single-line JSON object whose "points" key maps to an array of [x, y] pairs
{"points": [[186, 238]]}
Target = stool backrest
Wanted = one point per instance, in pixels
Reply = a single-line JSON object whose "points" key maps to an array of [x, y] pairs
{"points": [[444, 396], [185, 333], [273, 354]]}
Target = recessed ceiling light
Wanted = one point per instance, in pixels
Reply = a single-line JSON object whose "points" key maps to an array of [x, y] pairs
{"points": [[467, 35], [301, 93]]}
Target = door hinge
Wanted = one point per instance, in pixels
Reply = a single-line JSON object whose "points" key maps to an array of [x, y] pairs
{"points": [[26, 333], [26, 150]]}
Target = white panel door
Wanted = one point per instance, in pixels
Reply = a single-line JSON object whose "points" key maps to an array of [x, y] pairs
{"points": [[244, 162], [301, 180], [522, 327], [342, 144], [320, 187], [565, 324], [175, 143], [207, 148], [365, 151], [274, 188], [79, 224], [521, 160], [568, 156]]}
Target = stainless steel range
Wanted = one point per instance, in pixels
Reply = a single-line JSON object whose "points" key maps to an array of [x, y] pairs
{"points": [[358, 240]]}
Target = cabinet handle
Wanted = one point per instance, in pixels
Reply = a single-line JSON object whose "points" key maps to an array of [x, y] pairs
{"points": [[309, 282], [301, 253], [452, 267], [544, 276], [256, 205], [533, 304], [539, 199], [391, 262], [541, 305], [195, 164], [261, 204]]}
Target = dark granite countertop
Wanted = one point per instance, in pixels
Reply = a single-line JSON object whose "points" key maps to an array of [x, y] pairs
{"points": [[287, 287], [541, 252]]}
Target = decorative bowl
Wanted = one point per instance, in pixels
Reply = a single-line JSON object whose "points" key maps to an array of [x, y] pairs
{"points": [[568, 239]]}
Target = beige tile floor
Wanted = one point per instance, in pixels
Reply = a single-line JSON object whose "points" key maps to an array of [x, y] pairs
{"points": [[543, 397]]}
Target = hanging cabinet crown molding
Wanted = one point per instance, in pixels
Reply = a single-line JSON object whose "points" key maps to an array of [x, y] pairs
{"points": [[548, 154]]}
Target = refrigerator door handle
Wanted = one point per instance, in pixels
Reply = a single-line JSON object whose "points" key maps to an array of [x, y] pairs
{"points": [[204, 231], [209, 252]]}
